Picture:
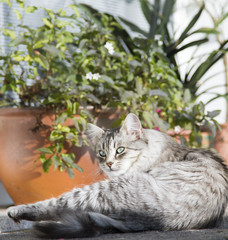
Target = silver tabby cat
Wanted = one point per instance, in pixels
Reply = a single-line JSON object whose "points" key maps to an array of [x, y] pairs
{"points": [[154, 184]]}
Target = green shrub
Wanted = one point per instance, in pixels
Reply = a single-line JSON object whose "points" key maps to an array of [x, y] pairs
{"points": [[86, 58]]}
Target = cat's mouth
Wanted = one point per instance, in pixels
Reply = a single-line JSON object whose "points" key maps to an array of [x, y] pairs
{"points": [[111, 169]]}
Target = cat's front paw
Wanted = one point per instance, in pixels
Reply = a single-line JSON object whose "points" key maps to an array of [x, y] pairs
{"points": [[16, 213]]}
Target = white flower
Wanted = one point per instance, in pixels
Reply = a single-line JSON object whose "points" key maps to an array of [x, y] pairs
{"points": [[157, 37], [89, 76], [92, 76], [188, 109], [159, 76], [96, 76], [110, 47], [177, 129]]}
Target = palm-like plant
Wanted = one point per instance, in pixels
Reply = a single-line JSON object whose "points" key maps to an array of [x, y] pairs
{"points": [[159, 17]]}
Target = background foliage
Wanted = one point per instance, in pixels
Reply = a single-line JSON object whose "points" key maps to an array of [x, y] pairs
{"points": [[85, 58]]}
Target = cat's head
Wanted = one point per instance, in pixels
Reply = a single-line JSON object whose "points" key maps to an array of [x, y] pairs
{"points": [[117, 149]]}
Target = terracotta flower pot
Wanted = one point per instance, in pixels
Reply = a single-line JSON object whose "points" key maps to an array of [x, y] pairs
{"points": [[221, 142], [21, 174]]}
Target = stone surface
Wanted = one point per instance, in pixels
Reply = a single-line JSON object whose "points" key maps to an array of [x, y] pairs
{"points": [[7, 225], [12, 231]]}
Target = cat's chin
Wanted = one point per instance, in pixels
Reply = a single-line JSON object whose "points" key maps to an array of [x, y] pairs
{"points": [[114, 173]]}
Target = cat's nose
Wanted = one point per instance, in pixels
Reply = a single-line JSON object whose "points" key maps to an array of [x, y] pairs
{"points": [[109, 164]]}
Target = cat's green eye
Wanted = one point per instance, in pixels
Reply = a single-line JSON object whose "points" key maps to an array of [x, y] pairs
{"points": [[119, 150], [102, 153]]}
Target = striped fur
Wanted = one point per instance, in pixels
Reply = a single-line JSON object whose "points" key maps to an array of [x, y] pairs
{"points": [[154, 184]]}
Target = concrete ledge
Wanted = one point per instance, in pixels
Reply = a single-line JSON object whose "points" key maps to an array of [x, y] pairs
{"points": [[13, 231], [8, 225]]}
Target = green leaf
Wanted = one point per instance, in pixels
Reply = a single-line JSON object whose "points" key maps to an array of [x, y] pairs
{"points": [[75, 9], [83, 122], [206, 65], [59, 147], [8, 33], [67, 158], [30, 9], [206, 30], [187, 96], [158, 92], [62, 166], [76, 124], [91, 52], [148, 119], [48, 23], [93, 98], [43, 61], [46, 165], [201, 108], [167, 11], [131, 25], [61, 118], [60, 24], [21, 3], [151, 14], [70, 136], [191, 44], [217, 125], [163, 125], [42, 158], [218, 96], [185, 33], [146, 9], [135, 63], [77, 167], [70, 172], [214, 113], [55, 135], [45, 150], [52, 50], [18, 14], [139, 86], [65, 129], [107, 79], [75, 107], [21, 40], [69, 106], [223, 17], [56, 161], [4, 88]]}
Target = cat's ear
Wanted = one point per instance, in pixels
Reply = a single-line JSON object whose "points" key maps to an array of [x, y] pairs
{"points": [[132, 125], [93, 133]]}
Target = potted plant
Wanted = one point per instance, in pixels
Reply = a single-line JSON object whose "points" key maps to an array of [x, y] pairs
{"points": [[218, 18], [158, 16], [71, 70]]}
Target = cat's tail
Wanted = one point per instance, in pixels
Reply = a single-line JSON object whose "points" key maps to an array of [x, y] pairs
{"points": [[83, 224]]}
